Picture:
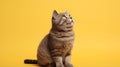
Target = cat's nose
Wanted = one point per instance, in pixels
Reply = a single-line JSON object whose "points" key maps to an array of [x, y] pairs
{"points": [[70, 20]]}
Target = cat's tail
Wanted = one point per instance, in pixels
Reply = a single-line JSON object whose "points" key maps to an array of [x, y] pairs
{"points": [[30, 61]]}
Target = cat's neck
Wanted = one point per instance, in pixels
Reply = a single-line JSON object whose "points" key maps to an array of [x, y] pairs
{"points": [[62, 36], [62, 33]]}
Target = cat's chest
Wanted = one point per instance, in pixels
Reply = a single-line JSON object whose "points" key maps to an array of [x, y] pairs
{"points": [[62, 45]]}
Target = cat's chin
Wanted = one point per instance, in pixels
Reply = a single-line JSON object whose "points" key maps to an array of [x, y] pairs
{"points": [[72, 23]]}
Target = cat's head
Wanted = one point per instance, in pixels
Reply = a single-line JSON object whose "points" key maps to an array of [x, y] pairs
{"points": [[62, 21]]}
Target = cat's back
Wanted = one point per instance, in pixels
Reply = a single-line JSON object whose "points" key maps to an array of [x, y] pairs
{"points": [[43, 54]]}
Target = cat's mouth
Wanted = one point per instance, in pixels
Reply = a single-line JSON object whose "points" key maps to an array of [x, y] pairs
{"points": [[69, 27]]}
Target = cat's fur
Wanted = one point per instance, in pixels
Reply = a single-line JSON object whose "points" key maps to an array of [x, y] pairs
{"points": [[55, 49]]}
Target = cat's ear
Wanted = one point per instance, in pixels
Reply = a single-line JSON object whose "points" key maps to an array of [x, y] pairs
{"points": [[66, 12], [55, 13]]}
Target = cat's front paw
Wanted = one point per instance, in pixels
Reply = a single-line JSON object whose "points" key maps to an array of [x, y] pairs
{"points": [[60, 66], [68, 65]]}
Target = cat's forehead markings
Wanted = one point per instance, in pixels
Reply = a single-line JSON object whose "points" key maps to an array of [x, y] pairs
{"points": [[66, 14]]}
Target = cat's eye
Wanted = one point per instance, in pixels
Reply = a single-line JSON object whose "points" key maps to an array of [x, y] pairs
{"points": [[63, 17], [70, 17]]}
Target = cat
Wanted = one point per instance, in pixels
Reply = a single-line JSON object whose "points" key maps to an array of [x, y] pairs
{"points": [[55, 48]]}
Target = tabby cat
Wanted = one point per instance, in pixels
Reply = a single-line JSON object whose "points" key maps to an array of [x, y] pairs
{"points": [[55, 49]]}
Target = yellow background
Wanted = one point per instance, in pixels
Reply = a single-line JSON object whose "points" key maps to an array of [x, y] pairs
{"points": [[23, 24]]}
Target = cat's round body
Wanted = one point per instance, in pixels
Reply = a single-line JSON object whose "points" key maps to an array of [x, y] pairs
{"points": [[43, 53], [45, 56], [56, 47]]}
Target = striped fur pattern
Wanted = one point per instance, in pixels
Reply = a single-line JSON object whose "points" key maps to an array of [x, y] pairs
{"points": [[55, 49]]}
